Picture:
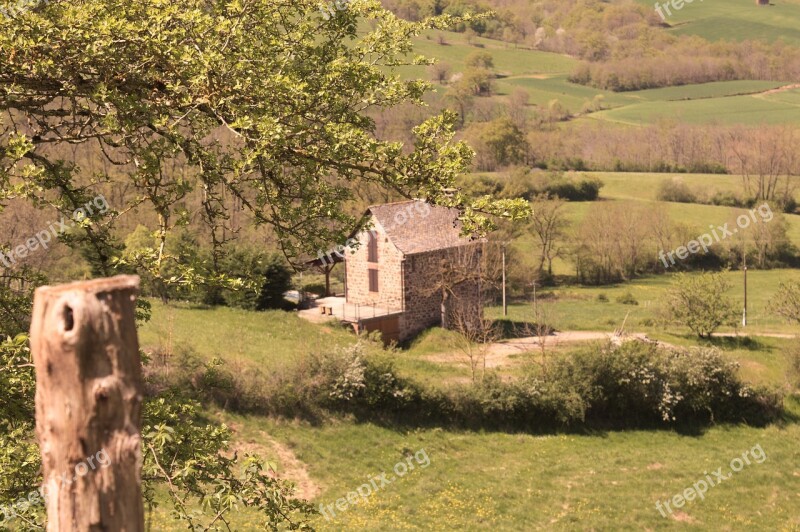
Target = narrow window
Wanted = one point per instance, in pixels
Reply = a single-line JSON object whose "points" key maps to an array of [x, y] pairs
{"points": [[373, 280], [372, 247]]}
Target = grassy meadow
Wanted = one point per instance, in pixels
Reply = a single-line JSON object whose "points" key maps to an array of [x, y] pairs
{"points": [[479, 480], [583, 308], [642, 188], [559, 481], [737, 20], [746, 109], [544, 76], [268, 340], [607, 481]]}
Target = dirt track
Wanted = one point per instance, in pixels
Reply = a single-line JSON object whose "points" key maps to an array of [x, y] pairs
{"points": [[502, 354]]}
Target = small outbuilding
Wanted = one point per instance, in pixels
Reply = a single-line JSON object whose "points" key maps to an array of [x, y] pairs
{"points": [[411, 270]]}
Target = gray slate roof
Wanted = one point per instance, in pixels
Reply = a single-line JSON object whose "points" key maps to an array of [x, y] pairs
{"points": [[417, 227]]}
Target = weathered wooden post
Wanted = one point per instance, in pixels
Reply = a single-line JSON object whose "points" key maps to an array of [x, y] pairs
{"points": [[88, 404]]}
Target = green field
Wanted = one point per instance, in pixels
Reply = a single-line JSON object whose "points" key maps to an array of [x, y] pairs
{"points": [[508, 59], [270, 340], [544, 89], [578, 308], [717, 89], [737, 20], [748, 109], [476, 480], [545, 77], [637, 186], [642, 188]]}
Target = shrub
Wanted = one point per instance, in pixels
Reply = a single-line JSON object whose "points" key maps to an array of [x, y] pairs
{"points": [[699, 302], [635, 385], [277, 280], [676, 191], [585, 190], [627, 299], [789, 205], [727, 199], [241, 263], [317, 289], [602, 298], [639, 384], [270, 277], [786, 302], [708, 386], [793, 355]]}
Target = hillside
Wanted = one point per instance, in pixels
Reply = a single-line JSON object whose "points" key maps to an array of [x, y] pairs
{"points": [[252, 259], [544, 76], [505, 481], [737, 20]]}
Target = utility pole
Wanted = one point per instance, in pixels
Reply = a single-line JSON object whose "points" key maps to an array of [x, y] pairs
{"points": [[505, 305], [744, 315]]}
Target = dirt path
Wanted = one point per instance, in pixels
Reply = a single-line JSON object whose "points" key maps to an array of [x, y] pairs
{"points": [[781, 89], [293, 469], [520, 345], [289, 466], [501, 354]]}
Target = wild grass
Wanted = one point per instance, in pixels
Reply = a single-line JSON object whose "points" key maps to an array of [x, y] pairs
{"points": [[748, 109], [738, 20], [268, 340], [476, 480], [598, 481], [581, 308]]}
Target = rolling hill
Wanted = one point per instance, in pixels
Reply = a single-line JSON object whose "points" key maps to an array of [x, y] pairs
{"points": [[545, 75], [737, 20]]}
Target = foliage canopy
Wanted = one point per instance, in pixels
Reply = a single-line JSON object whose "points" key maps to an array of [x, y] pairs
{"points": [[264, 101]]}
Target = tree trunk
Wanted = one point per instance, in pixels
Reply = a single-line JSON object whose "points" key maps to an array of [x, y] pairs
{"points": [[88, 404]]}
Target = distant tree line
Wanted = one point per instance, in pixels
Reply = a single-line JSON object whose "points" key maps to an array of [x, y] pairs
{"points": [[617, 241], [764, 155], [623, 45], [689, 60]]}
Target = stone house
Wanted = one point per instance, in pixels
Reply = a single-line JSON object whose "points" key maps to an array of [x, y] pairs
{"points": [[412, 270]]}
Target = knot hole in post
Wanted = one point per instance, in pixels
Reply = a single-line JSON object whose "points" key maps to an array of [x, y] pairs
{"points": [[69, 318]]}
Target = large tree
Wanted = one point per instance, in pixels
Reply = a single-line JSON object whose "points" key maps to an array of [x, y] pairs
{"points": [[263, 101]]}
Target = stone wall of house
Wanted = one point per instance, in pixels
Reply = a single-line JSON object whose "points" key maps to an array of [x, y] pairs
{"points": [[424, 294], [412, 283], [389, 266]]}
